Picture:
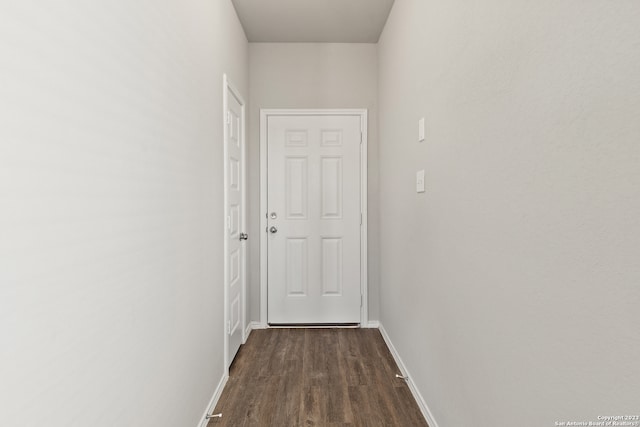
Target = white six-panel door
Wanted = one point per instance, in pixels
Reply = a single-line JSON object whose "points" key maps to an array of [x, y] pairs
{"points": [[234, 194], [314, 219]]}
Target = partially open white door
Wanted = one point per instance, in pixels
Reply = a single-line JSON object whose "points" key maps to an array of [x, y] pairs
{"points": [[314, 219], [235, 251]]}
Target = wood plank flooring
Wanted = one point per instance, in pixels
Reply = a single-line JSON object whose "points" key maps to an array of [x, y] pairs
{"points": [[316, 377]]}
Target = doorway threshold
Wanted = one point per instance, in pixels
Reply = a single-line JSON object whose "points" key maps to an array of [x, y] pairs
{"points": [[314, 325]]}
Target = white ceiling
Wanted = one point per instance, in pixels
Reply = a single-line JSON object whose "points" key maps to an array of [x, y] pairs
{"points": [[328, 21]]}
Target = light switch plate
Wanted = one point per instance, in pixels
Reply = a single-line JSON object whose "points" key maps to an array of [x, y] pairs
{"points": [[421, 130], [420, 181]]}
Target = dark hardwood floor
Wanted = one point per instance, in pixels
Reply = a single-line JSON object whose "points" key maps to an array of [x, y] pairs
{"points": [[316, 377]]}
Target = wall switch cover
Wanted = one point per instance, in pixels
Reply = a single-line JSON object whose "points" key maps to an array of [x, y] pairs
{"points": [[421, 130], [420, 181]]}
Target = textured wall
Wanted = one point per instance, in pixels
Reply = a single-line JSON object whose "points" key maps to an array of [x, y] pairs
{"points": [[511, 287], [111, 213], [311, 75]]}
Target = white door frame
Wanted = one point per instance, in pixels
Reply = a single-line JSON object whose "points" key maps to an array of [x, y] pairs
{"points": [[227, 87], [264, 116]]}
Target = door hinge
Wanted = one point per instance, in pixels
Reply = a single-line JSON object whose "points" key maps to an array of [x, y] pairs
{"points": [[360, 219], [228, 222], [228, 117], [361, 137], [228, 327]]}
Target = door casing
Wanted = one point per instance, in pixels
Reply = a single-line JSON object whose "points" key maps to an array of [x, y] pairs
{"points": [[264, 116], [229, 87]]}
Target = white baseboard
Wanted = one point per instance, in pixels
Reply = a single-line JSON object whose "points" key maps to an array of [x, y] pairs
{"points": [[223, 381], [259, 325], [214, 400], [250, 327], [426, 412], [247, 332], [374, 324]]}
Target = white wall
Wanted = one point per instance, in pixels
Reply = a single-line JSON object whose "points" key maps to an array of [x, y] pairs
{"points": [[511, 287], [311, 75], [111, 273]]}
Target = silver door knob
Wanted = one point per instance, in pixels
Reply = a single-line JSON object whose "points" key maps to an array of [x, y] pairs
{"points": [[244, 236], [273, 230]]}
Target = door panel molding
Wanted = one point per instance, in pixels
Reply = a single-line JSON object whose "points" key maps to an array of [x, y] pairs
{"points": [[330, 137]]}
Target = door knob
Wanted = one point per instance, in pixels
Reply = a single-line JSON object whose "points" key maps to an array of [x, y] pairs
{"points": [[244, 236], [273, 230]]}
